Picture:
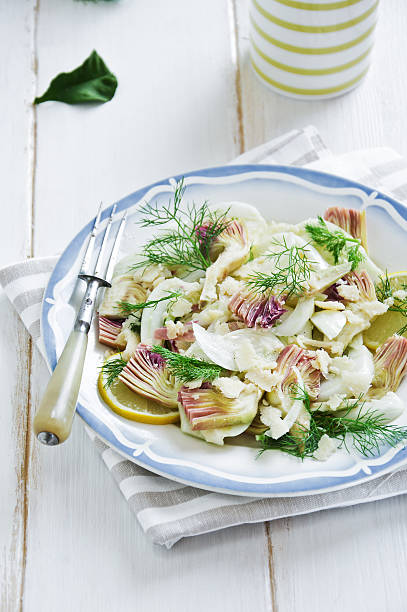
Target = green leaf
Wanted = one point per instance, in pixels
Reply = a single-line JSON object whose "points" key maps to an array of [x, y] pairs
{"points": [[92, 81]]}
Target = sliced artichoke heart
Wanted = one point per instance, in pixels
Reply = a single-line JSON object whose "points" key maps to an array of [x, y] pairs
{"points": [[124, 289], [255, 223], [367, 263], [236, 250], [146, 374], [207, 414]]}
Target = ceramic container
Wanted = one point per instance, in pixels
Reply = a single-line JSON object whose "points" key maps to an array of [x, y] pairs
{"points": [[312, 49]]}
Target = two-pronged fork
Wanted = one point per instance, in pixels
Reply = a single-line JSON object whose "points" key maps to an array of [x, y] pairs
{"points": [[53, 420]]}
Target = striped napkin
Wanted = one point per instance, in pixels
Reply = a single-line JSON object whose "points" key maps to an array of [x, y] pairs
{"points": [[166, 510]]}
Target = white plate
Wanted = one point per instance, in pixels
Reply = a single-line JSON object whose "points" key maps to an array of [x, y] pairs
{"points": [[281, 193]]}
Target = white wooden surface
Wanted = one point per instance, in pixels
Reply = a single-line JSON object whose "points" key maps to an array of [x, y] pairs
{"points": [[186, 99]]}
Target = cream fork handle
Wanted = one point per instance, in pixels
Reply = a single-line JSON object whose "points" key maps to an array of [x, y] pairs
{"points": [[53, 420]]}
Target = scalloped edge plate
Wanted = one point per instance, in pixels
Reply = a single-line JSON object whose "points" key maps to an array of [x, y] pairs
{"points": [[165, 450]]}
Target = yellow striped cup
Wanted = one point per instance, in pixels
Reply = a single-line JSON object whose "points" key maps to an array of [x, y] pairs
{"points": [[312, 49]]}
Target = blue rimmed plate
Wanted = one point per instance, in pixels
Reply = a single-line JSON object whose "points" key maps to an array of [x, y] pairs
{"points": [[281, 193]]}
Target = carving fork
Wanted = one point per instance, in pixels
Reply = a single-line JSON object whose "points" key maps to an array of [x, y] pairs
{"points": [[53, 420]]}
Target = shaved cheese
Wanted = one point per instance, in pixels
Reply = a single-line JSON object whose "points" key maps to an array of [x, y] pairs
{"points": [[373, 309], [273, 418], [348, 292], [230, 286], [400, 294], [174, 329], [193, 384], [217, 311], [229, 386], [326, 447], [335, 348], [332, 404], [245, 355], [322, 361], [219, 328], [265, 379], [355, 318], [328, 305], [180, 307]]}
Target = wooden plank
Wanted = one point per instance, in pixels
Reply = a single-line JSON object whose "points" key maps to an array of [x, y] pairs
{"points": [[175, 109], [87, 551], [16, 161], [15, 357], [354, 558], [342, 560]]}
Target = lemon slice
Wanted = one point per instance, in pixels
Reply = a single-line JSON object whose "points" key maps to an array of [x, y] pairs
{"points": [[390, 322], [133, 406]]}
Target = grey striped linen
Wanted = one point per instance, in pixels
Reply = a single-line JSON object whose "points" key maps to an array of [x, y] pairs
{"points": [[168, 511]]}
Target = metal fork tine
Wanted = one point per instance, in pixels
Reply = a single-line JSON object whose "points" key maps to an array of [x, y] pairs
{"points": [[99, 262], [115, 250], [87, 258]]}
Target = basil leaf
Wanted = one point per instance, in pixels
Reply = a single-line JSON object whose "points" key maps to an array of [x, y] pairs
{"points": [[90, 82]]}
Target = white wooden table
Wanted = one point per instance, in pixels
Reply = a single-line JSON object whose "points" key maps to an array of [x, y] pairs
{"points": [[186, 99]]}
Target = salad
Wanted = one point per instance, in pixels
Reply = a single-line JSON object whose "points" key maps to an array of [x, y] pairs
{"points": [[232, 324]]}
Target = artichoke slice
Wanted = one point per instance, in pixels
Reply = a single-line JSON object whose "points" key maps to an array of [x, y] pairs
{"points": [[124, 289], [208, 409], [236, 247], [108, 331], [390, 364], [294, 363], [256, 310], [349, 219], [146, 374]]}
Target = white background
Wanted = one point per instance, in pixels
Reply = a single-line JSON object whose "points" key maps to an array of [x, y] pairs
{"points": [[186, 99]]}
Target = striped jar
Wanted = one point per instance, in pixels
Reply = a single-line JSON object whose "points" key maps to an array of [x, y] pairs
{"points": [[312, 49]]}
